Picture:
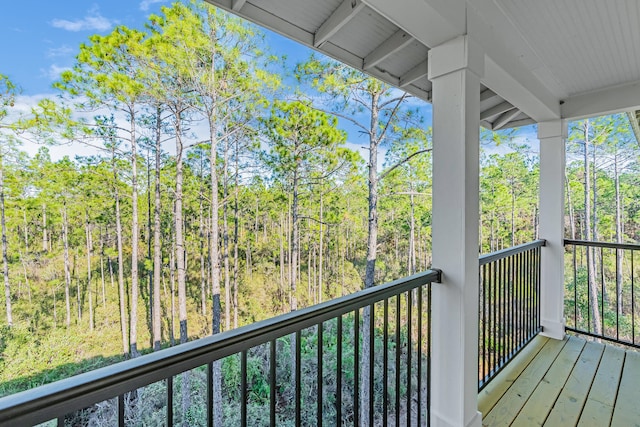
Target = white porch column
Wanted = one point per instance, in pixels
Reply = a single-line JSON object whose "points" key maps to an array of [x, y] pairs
{"points": [[552, 137], [455, 68]]}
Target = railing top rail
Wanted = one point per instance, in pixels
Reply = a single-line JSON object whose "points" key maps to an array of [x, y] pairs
{"points": [[630, 246], [49, 401], [494, 256]]}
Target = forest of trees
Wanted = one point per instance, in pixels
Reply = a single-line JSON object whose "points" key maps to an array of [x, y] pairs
{"points": [[220, 190]]}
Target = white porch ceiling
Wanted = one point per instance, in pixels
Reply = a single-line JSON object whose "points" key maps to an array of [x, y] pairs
{"points": [[545, 58]]}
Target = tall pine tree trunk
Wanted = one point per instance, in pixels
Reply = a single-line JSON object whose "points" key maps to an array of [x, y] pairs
{"points": [[181, 266], [67, 268], [119, 244], [214, 241], [89, 248], [412, 233], [236, 225], [593, 290], [179, 234], [5, 258], [372, 245], [45, 233], [619, 252], [321, 250], [157, 248], [225, 236], [133, 330], [572, 219]]}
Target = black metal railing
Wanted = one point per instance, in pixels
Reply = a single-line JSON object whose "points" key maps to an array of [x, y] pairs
{"points": [[509, 312], [303, 367], [600, 294]]}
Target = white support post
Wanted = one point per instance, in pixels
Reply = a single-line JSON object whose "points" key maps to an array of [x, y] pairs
{"points": [[455, 69], [552, 136]]}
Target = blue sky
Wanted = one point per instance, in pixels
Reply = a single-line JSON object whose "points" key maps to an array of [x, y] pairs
{"points": [[40, 38]]}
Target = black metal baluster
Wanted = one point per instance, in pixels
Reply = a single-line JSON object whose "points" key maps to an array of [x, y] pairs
{"points": [[121, 410], [429, 355], [339, 372], [538, 289], [518, 297], [617, 297], [243, 388], [371, 361], [633, 303], [531, 290], [480, 324], [210, 394], [169, 402], [320, 378], [298, 381], [602, 289], [588, 290], [502, 311], [514, 301], [575, 289], [409, 328], [494, 317], [356, 368], [385, 363], [512, 320], [419, 367], [397, 384], [272, 383]]}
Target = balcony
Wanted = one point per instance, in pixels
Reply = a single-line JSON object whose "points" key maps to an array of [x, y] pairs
{"points": [[524, 378]]}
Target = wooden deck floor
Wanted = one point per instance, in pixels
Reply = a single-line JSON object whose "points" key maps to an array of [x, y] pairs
{"points": [[565, 383]]}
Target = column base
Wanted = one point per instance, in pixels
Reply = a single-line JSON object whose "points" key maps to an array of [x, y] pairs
{"points": [[437, 421], [553, 329]]}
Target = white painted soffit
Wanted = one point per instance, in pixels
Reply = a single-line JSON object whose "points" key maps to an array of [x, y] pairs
{"points": [[390, 40]]}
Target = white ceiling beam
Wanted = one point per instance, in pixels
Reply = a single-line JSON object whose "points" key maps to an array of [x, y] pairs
{"points": [[502, 121], [268, 20], [393, 44], [416, 73], [338, 19], [504, 72], [602, 102], [432, 22], [236, 5], [503, 107], [519, 123], [633, 119], [487, 94]]}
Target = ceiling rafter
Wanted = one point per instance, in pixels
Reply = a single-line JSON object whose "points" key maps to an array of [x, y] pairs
{"points": [[503, 107], [393, 44], [505, 118], [338, 19], [236, 5], [487, 94], [414, 74]]}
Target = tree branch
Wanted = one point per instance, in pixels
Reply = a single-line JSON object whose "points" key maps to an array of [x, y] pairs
{"points": [[400, 163]]}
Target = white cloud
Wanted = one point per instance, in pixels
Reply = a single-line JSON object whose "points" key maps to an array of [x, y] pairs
{"points": [[59, 51], [146, 4], [93, 21], [54, 71]]}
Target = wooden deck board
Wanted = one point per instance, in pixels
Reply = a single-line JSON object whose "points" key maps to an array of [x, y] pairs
{"points": [[627, 408], [599, 406], [517, 395], [540, 403], [494, 391], [568, 407], [572, 382]]}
